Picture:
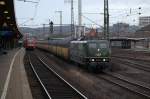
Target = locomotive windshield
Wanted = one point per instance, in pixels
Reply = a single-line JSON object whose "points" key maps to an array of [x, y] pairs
{"points": [[103, 45], [92, 45], [97, 49], [98, 45]]}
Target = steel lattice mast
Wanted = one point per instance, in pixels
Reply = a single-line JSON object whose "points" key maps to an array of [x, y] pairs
{"points": [[80, 18], [106, 20], [80, 12], [72, 16]]}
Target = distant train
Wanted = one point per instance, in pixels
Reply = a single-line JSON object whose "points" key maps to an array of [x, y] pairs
{"points": [[30, 43], [92, 54]]}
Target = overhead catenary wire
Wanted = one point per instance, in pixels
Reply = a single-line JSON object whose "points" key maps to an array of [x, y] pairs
{"points": [[122, 13], [91, 21], [26, 21], [36, 9], [129, 13], [34, 13], [28, 1]]}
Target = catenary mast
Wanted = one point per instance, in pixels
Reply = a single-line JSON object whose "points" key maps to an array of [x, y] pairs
{"points": [[106, 20]]}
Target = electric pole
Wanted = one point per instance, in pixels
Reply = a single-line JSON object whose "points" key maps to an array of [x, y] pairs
{"points": [[72, 16], [80, 12], [106, 20], [44, 30], [80, 17], [60, 12]]}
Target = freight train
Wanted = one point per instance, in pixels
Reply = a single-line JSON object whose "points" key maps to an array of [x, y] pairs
{"points": [[92, 54]]}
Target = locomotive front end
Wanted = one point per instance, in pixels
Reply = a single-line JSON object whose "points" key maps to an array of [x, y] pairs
{"points": [[98, 54]]}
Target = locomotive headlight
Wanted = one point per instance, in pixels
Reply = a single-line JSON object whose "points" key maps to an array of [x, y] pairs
{"points": [[104, 60], [93, 60]]}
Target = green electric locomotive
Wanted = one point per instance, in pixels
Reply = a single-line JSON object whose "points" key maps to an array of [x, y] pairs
{"points": [[93, 54]]}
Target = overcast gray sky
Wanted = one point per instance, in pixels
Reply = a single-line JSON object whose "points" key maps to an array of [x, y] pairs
{"points": [[119, 11]]}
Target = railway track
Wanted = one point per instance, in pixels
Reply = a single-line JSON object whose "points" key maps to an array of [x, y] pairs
{"points": [[53, 84], [133, 64], [131, 58], [127, 84]]}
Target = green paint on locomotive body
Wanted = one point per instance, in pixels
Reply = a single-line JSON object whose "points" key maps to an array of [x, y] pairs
{"points": [[90, 51]]}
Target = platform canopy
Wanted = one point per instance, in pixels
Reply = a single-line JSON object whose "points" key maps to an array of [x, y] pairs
{"points": [[7, 19], [126, 39]]}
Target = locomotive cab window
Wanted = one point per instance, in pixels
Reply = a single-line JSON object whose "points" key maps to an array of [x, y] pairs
{"points": [[103, 45], [92, 45]]}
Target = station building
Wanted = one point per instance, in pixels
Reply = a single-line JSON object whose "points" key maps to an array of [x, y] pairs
{"points": [[129, 43], [140, 40]]}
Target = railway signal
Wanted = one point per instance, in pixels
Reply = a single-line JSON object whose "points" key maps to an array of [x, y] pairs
{"points": [[51, 27]]}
